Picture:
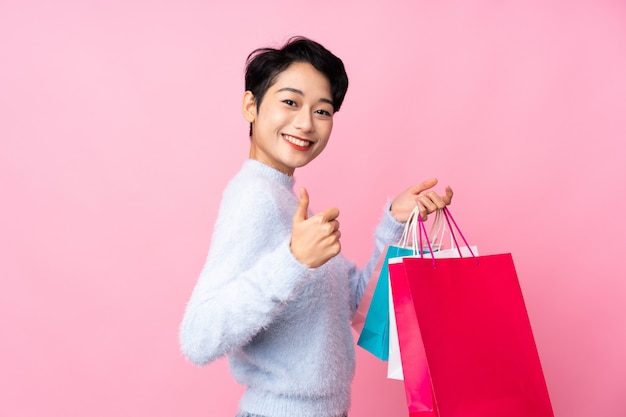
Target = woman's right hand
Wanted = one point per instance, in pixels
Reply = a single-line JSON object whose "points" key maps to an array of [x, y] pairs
{"points": [[314, 240]]}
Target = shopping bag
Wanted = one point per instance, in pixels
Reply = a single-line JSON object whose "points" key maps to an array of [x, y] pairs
{"points": [[438, 233], [374, 329], [394, 364], [479, 345], [414, 366], [358, 321], [374, 335], [371, 319], [407, 358]]}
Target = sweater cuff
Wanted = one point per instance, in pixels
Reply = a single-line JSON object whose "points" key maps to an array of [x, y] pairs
{"points": [[389, 229]]}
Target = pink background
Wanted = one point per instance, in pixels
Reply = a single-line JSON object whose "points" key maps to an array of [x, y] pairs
{"points": [[120, 125]]}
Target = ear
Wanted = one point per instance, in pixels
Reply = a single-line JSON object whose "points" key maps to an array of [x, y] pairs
{"points": [[248, 107]]}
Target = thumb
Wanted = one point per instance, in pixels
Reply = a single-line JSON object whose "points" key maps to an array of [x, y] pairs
{"points": [[302, 212]]}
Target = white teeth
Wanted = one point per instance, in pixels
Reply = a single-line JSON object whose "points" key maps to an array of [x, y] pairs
{"points": [[297, 141]]}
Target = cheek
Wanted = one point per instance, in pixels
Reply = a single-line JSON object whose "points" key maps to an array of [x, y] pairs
{"points": [[323, 143], [324, 127], [326, 131], [271, 115]]}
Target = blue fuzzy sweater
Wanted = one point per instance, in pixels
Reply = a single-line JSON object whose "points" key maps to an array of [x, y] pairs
{"points": [[285, 327]]}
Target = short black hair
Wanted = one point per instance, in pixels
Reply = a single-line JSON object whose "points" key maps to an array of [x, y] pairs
{"points": [[264, 65]]}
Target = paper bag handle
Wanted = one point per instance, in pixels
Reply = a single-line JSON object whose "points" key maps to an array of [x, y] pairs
{"points": [[450, 220], [408, 238], [449, 217]]}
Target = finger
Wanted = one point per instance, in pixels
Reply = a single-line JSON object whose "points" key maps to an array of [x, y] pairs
{"points": [[332, 238], [302, 211], [333, 226], [423, 211], [436, 199], [335, 247], [449, 194], [430, 183], [329, 214], [426, 206]]}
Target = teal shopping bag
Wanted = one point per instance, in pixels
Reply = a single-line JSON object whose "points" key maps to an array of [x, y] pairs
{"points": [[375, 334]]}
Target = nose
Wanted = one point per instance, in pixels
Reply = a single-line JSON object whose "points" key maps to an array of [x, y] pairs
{"points": [[304, 120]]}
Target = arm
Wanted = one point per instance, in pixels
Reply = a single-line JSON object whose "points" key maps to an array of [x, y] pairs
{"points": [[249, 275]]}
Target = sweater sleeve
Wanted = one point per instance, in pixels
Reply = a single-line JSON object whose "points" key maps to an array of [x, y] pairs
{"points": [[249, 275]]}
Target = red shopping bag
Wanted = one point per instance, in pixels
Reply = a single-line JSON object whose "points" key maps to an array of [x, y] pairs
{"points": [[476, 334], [417, 386]]}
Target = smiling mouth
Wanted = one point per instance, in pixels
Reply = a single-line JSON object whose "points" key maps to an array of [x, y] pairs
{"points": [[300, 143]]}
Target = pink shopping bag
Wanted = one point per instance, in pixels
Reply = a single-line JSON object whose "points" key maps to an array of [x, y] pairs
{"points": [[417, 385], [477, 337]]}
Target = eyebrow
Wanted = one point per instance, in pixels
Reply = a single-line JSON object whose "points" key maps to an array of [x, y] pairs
{"points": [[299, 92]]}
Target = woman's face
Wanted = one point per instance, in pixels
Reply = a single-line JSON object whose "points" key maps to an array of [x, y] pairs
{"points": [[292, 125]]}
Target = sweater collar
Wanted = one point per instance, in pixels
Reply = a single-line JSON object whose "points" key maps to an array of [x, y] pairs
{"points": [[259, 168]]}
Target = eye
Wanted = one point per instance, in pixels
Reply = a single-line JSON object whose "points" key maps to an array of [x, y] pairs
{"points": [[289, 102], [323, 112]]}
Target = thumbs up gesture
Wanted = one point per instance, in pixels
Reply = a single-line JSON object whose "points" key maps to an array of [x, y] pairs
{"points": [[314, 240]]}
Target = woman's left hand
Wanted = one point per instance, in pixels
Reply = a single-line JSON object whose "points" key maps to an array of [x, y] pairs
{"points": [[427, 201]]}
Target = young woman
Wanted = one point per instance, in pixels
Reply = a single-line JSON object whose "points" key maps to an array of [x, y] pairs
{"points": [[276, 295]]}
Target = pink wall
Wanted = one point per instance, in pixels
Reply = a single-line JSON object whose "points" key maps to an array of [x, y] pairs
{"points": [[120, 125]]}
